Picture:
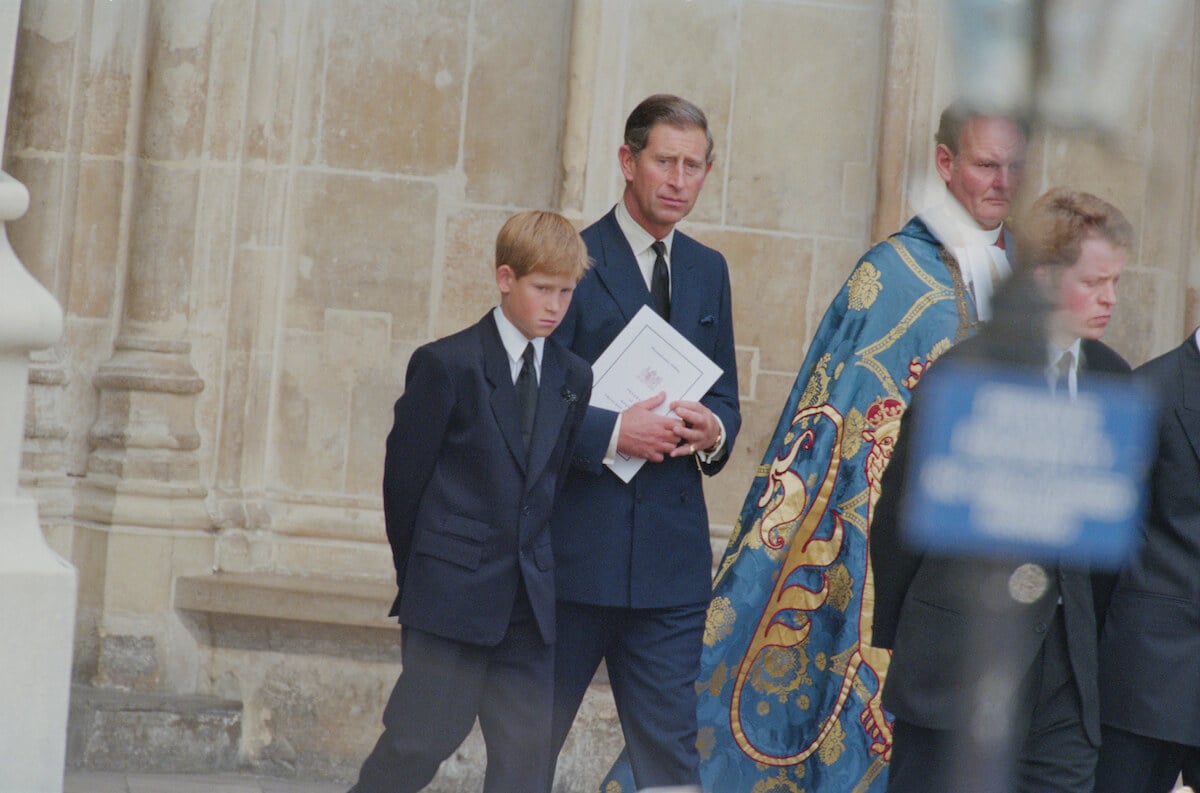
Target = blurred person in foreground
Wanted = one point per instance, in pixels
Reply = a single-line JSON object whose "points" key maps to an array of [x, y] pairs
{"points": [[1150, 646], [1073, 247], [788, 685]]}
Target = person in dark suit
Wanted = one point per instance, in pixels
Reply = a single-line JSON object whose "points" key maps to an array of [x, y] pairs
{"points": [[929, 609], [481, 441], [1149, 684], [635, 563]]}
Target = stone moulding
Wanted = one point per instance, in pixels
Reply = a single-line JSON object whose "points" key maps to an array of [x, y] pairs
{"points": [[345, 617]]}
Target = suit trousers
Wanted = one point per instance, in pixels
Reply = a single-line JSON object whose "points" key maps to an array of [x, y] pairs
{"points": [[444, 686], [653, 660], [1052, 753], [1132, 763]]}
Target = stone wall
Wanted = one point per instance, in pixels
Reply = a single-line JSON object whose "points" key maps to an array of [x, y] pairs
{"points": [[254, 210]]}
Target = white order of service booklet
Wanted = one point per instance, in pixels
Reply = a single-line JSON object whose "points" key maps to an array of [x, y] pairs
{"points": [[648, 357]]}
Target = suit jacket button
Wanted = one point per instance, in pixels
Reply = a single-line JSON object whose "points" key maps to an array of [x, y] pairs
{"points": [[1041, 627], [525, 510]]}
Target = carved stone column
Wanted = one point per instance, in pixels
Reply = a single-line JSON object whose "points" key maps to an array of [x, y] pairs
{"points": [[36, 586], [143, 469]]}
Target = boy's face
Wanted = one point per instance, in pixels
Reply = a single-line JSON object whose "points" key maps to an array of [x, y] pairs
{"points": [[1087, 292], [535, 303]]}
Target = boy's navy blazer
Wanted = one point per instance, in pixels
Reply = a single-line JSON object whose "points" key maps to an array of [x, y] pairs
{"points": [[467, 512], [644, 544]]}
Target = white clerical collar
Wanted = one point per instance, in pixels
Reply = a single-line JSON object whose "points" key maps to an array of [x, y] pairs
{"points": [[514, 340], [639, 239], [964, 230], [982, 264]]}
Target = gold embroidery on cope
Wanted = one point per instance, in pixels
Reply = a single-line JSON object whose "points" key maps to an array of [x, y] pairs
{"points": [[864, 287], [785, 626], [783, 505], [720, 620]]}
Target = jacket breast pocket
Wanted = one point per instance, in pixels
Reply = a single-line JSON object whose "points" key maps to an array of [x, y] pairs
{"points": [[458, 540]]}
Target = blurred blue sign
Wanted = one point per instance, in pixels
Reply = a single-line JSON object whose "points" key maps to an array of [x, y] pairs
{"points": [[1000, 466]]}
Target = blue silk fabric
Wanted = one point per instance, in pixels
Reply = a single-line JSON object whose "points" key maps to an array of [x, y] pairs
{"points": [[789, 688]]}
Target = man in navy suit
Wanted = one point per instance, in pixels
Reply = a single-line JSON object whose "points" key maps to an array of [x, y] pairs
{"points": [[1149, 684], [634, 575], [481, 440]]}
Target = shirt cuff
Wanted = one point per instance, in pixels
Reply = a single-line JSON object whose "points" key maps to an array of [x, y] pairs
{"points": [[610, 454], [718, 449]]}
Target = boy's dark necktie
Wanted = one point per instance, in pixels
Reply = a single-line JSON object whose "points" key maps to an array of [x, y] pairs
{"points": [[527, 394], [660, 282]]}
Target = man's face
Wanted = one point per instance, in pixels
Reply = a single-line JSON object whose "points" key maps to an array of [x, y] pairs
{"points": [[986, 173], [1087, 292], [534, 303], [663, 182]]}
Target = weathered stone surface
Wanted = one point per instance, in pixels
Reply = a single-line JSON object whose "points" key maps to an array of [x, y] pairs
{"points": [[516, 84], [111, 730], [416, 52], [788, 165]]}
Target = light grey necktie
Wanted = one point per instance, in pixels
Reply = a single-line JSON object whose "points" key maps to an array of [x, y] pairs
{"points": [[1062, 373]]}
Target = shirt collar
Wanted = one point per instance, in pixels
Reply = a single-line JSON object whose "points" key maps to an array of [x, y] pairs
{"points": [[1054, 352], [514, 341], [1197, 338], [639, 239]]}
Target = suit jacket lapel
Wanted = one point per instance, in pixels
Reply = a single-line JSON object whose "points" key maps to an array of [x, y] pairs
{"points": [[504, 396], [685, 291], [551, 412], [618, 270]]}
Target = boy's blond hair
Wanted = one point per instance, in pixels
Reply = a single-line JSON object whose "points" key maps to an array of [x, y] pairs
{"points": [[541, 242]]}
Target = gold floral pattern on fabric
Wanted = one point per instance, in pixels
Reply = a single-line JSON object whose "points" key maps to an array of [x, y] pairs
{"points": [[864, 286], [835, 743], [841, 587], [721, 616], [780, 671], [715, 683], [817, 390], [779, 784], [852, 440], [706, 741]]}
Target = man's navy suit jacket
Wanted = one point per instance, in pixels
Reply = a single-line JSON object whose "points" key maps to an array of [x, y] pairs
{"points": [[643, 544], [1150, 684], [467, 512]]}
